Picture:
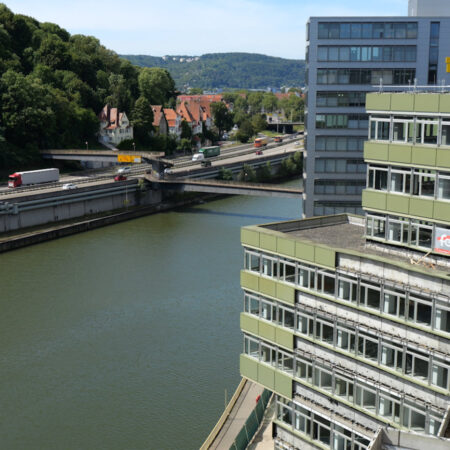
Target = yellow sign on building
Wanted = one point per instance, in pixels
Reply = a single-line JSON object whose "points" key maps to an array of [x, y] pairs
{"points": [[447, 61], [129, 159]]}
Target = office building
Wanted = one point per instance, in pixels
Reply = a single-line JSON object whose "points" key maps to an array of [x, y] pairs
{"points": [[346, 57], [347, 318]]}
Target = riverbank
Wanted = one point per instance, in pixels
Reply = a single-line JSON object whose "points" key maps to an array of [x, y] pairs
{"points": [[36, 235]]}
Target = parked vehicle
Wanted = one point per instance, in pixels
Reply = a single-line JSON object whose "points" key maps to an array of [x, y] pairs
{"points": [[33, 177], [260, 142], [278, 139], [120, 177], [69, 186], [122, 170]]}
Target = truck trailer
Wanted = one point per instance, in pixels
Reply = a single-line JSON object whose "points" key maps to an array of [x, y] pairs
{"points": [[33, 177], [206, 152]]}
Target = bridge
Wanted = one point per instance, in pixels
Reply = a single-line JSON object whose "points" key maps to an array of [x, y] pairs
{"points": [[282, 127], [156, 159], [224, 187]]}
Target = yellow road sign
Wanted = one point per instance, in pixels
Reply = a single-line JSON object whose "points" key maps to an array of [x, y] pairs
{"points": [[129, 159]]}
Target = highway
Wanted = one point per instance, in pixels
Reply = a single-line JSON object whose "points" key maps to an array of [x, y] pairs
{"points": [[182, 165]]}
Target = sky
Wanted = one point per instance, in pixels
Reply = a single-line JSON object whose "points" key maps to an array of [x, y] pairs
{"points": [[196, 27]]}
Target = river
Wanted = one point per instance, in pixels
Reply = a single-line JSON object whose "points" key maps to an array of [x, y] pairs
{"points": [[126, 337]]}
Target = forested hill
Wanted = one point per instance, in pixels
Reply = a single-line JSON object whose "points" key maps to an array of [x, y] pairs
{"points": [[53, 85], [227, 70]]}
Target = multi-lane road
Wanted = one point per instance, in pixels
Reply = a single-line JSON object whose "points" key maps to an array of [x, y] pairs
{"points": [[182, 165]]}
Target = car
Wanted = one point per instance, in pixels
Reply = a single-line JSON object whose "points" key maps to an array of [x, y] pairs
{"points": [[167, 171], [122, 170], [68, 186], [120, 177], [206, 163], [258, 152]]}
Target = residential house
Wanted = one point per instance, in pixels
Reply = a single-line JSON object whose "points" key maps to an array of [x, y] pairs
{"points": [[114, 126], [159, 120], [191, 115], [173, 122]]}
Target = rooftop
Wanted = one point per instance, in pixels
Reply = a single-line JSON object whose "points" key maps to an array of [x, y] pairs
{"points": [[345, 233]]}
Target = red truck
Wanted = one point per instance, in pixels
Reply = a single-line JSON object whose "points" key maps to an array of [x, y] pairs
{"points": [[33, 177]]}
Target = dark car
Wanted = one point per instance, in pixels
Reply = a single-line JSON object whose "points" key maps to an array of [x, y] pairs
{"points": [[258, 152], [120, 178], [206, 163]]}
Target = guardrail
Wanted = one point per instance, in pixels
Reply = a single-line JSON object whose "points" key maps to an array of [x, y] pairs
{"points": [[215, 431]]}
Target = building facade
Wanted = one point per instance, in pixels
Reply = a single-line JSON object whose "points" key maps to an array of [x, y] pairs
{"points": [[345, 58], [347, 318]]}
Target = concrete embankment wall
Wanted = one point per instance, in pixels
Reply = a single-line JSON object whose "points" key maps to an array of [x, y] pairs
{"points": [[56, 206]]}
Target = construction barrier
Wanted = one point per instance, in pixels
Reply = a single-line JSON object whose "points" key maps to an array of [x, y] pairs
{"points": [[252, 424]]}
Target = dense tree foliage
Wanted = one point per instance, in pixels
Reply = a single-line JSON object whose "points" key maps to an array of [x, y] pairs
{"points": [[223, 119], [228, 70], [53, 85]]}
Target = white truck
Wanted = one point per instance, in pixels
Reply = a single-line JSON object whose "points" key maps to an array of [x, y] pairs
{"points": [[33, 177]]}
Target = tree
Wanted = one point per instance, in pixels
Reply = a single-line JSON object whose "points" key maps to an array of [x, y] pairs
{"points": [[222, 118], [255, 101], [142, 120], [240, 104], [225, 174], [185, 145], [186, 131], [195, 91], [156, 85], [245, 131], [259, 123], [269, 102], [247, 174], [120, 95]]}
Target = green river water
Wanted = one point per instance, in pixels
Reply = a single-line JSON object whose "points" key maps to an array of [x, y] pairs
{"points": [[126, 337]]}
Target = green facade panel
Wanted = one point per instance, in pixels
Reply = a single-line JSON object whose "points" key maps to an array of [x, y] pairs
{"points": [[266, 376], [426, 102], [444, 103], [400, 153], [267, 287], [268, 242], [443, 157], [286, 246], [441, 211], [376, 151], [397, 203], [378, 102], [284, 337], [421, 207], [424, 156], [248, 367], [267, 331], [283, 385], [325, 256], [402, 102], [285, 293], [374, 200], [249, 237], [304, 251], [249, 281], [249, 323]]}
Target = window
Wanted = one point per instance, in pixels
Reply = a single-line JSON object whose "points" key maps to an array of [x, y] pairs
{"points": [[439, 374], [394, 303], [443, 191], [419, 310], [324, 331], [325, 282], [347, 290], [424, 183], [388, 408], [398, 231], [369, 295], [421, 234], [269, 267], [392, 356], [304, 371], [442, 319], [251, 347], [345, 339], [412, 418], [378, 178], [306, 277], [344, 388], [375, 226], [367, 347], [400, 181], [416, 365], [251, 305], [252, 261], [305, 325]]}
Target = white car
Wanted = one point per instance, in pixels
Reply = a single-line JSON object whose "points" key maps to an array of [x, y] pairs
{"points": [[68, 186], [123, 170]]}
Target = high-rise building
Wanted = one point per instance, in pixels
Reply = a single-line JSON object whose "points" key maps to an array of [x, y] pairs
{"points": [[347, 318], [346, 57]]}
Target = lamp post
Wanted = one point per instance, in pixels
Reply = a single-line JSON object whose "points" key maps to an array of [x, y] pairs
{"points": [[134, 147], [87, 145]]}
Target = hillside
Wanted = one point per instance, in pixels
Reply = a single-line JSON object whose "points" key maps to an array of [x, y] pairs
{"points": [[227, 70]]}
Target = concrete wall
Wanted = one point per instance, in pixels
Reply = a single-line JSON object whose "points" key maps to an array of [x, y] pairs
{"points": [[39, 209]]}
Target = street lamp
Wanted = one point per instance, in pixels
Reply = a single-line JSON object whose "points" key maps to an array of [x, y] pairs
{"points": [[87, 145], [134, 147]]}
